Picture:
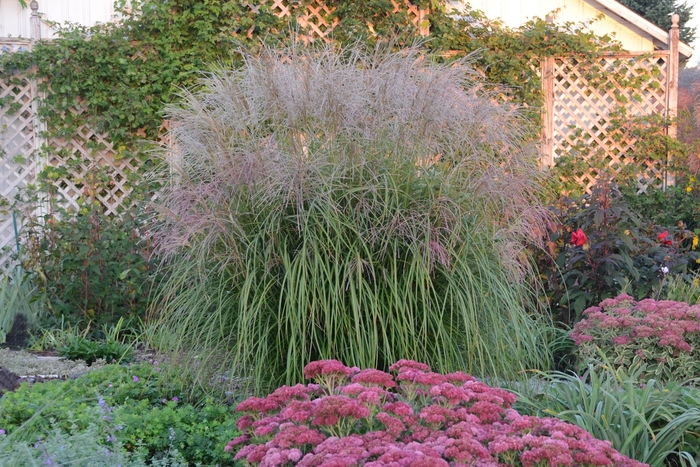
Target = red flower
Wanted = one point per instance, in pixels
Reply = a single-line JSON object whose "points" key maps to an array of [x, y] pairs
{"points": [[579, 238], [662, 238]]}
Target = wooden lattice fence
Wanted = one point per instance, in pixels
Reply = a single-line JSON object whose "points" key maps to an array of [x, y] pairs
{"points": [[573, 104], [86, 152], [316, 17], [581, 108], [19, 140], [25, 153]]}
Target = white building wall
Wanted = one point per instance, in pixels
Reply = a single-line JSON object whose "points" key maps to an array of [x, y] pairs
{"points": [[14, 21], [515, 13]]}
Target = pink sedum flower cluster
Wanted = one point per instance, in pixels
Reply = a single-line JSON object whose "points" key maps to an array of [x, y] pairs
{"points": [[415, 418], [663, 335]]}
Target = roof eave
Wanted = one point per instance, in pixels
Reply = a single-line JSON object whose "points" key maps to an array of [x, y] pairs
{"points": [[650, 28]]}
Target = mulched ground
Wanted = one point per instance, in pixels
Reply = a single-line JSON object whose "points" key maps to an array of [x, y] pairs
{"points": [[20, 365]]}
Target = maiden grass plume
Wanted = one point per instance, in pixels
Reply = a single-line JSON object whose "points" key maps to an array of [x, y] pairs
{"points": [[364, 205]]}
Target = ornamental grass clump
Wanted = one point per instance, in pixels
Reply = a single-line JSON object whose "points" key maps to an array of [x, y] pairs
{"points": [[365, 205], [663, 336], [413, 417], [651, 422]]}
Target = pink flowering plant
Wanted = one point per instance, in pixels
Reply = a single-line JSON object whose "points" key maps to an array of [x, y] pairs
{"points": [[663, 336], [411, 417]]}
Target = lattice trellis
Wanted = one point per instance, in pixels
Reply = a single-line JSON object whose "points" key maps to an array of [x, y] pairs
{"points": [[88, 150], [84, 152], [315, 16], [18, 164], [583, 107], [22, 159]]}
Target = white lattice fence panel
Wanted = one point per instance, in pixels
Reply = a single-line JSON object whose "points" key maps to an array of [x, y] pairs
{"points": [[18, 138], [96, 169], [584, 109], [87, 155]]}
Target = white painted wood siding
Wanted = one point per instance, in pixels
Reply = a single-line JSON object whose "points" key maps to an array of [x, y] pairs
{"points": [[514, 13], [14, 21]]}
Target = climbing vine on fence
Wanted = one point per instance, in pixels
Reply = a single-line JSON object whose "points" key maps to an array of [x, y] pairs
{"points": [[122, 74], [511, 57]]}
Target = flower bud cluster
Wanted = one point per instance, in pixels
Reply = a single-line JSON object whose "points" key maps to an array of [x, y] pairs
{"points": [[662, 335], [415, 418]]}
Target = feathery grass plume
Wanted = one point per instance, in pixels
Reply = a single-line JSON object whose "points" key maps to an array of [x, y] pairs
{"points": [[364, 205]]}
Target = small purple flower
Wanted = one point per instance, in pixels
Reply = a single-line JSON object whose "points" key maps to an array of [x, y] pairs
{"points": [[163, 401], [102, 403], [2, 432], [175, 399], [136, 379], [111, 438], [110, 385]]}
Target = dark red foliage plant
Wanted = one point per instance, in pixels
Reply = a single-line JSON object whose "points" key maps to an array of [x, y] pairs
{"points": [[413, 417]]}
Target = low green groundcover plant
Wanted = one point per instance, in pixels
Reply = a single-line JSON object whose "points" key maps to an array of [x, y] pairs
{"points": [[412, 418], [82, 348], [661, 335], [146, 408], [82, 449]]}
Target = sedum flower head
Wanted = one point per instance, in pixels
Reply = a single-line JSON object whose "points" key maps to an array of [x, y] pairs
{"points": [[417, 419], [632, 333]]}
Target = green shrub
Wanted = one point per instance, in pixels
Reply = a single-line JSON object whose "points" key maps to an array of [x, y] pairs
{"points": [[661, 335], [93, 269], [648, 422], [669, 207], [350, 205], [146, 409]]}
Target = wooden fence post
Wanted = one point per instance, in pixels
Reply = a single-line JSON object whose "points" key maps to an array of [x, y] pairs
{"points": [[423, 22], [34, 21], [37, 125], [548, 115], [672, 90]]}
